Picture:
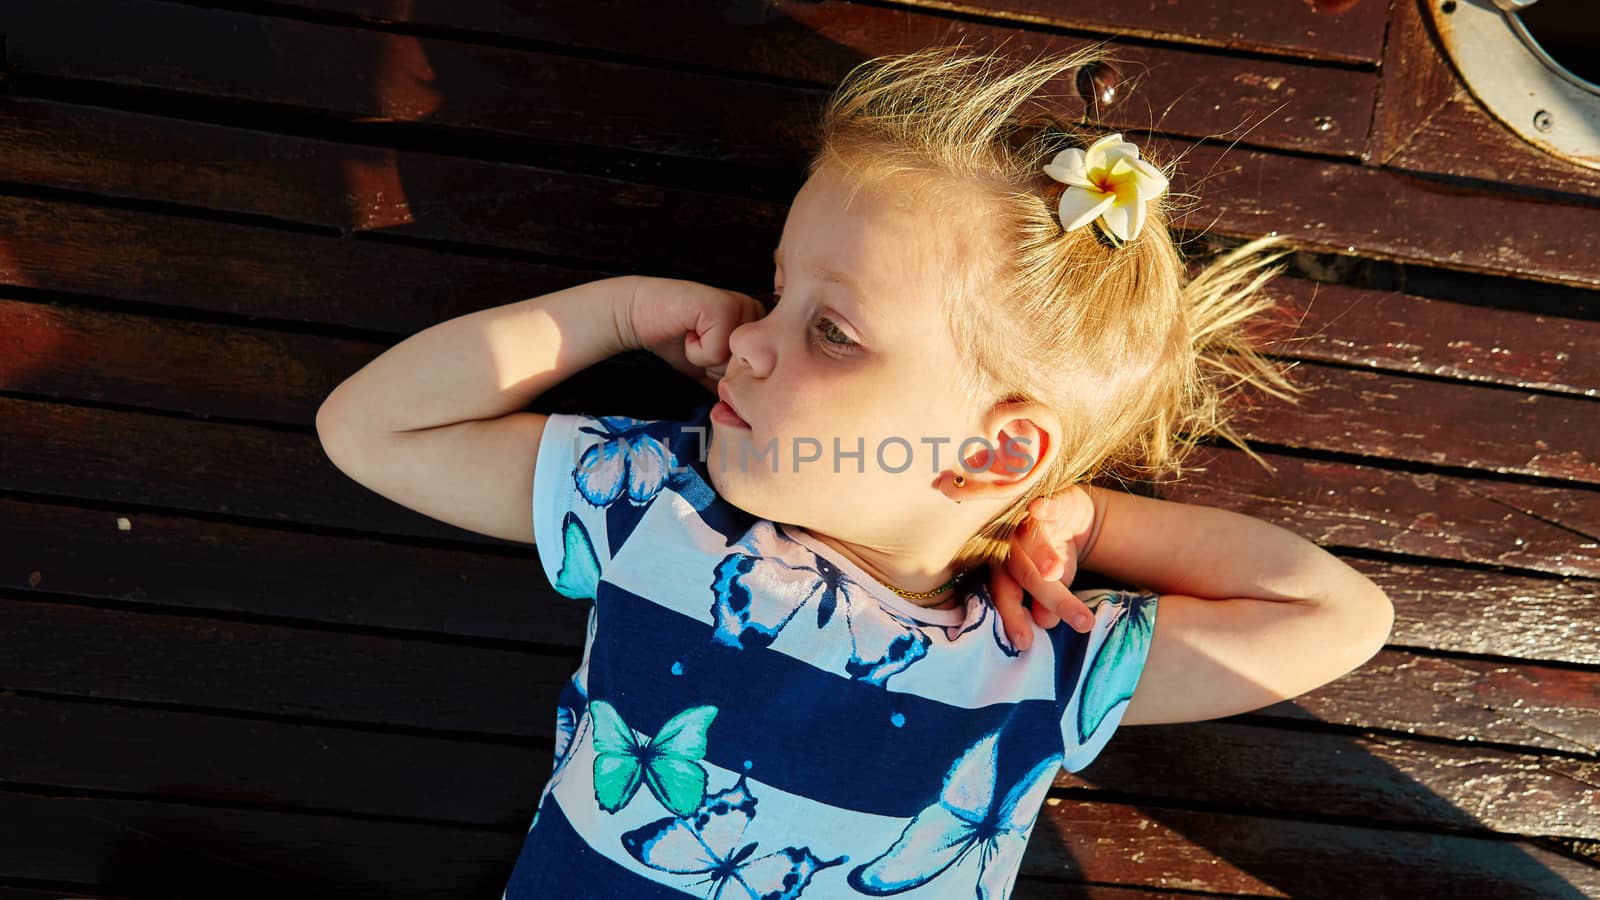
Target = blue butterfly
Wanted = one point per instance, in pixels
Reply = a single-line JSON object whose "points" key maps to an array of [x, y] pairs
{"points": [[570, 725], [579, 575], [756, 594], [570, 720], [965, 819], [635, 460], [1118, 661], [979, 596], [708, 843], [628, 459]]}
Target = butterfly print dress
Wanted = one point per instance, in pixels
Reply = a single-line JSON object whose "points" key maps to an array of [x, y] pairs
{"points": [[756, 717]]}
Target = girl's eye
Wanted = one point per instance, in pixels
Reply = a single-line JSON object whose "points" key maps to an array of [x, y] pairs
{"points": [[831, 334], [826, 326]]}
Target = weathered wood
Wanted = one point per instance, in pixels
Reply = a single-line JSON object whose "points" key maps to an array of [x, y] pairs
{"points": [[168, 562], [129, 844], [1385, 779], [1381, 779], [1386, 214], [1406, 333], [31, 893], [1274, 103], [414, 683], [1339, 504], [373, 583], [354, 188], [161, 259], [1169, 848], [1342, 30], [1337, 322], [280, 670], [1545, 707], [1417, 420], [1463, 610], [271, 376], [209, 758], [124, 457], [181, 851]]}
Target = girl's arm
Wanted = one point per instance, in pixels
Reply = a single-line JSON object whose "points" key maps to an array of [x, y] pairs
{"points": [[484, 364], [1248, 614], [435, 422]]}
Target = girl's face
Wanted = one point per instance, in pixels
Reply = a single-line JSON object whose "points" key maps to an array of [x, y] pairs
{"points": [[856, 355]]}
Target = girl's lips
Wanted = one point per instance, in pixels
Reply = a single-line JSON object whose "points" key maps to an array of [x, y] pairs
{"points": [[724, 414], [724, 411]]}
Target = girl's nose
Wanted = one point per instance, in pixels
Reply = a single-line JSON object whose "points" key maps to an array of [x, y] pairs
{"points": [[750, 345]]}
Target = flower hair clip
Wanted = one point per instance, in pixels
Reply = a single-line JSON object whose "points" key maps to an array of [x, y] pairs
{"points": [[1108, 182]]}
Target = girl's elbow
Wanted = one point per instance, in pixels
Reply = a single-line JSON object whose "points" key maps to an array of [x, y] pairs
{"points": [[1377, 620]]}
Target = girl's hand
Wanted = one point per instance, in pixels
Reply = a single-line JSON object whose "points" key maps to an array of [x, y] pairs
{"points": [[687, 324], [1045, 550]]}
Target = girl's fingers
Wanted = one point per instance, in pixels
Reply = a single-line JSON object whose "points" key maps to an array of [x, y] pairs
{"points": [[1047, 555], [1007, 597], [1022, 569], [1053, 602]]}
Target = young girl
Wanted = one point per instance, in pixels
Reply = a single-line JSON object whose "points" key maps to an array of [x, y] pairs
{"points": [[808, 669]]}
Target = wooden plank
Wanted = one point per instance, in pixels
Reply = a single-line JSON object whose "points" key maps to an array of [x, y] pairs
{"points": [[34, 893], [1343, 30], [1378, 778], [280, 670], [225, 55], [1270, 857], [362, 582], [1281, 103], [1402, 332], [61, 246], [318, 676], [1352, 506], [171, 850], [271, 376], [1323, 205], [159, 260], [1385, 214], [1438, 423], [1326, 30], [135, 458], [1535, 706], [1462, 610], [146, 846], [169, 563], [240, 373], [88, 746], [345, 188]]}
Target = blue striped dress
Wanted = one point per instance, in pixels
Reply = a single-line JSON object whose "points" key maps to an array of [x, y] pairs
{"points": [[757, 717]]}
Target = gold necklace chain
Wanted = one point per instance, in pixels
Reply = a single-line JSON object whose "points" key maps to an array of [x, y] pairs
{"points": [[924, 595]]}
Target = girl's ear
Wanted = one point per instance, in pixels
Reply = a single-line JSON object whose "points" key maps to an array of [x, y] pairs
{"points": [[1019, 445], [1024, 440]]}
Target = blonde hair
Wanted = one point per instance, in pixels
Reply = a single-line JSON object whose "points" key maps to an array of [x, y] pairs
{"points": [[1135, 357]]}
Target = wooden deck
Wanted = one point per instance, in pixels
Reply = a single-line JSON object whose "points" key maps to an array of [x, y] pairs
{"points": [[227, 670]]}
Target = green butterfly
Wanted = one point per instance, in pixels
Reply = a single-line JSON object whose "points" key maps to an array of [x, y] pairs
{"points": [[669, 763]]}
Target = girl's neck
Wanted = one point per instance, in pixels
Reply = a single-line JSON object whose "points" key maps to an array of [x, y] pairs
{"points": [[898, 570]]}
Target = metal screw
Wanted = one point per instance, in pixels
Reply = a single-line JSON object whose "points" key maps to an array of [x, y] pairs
{"points": [[1543, 121], [1322, 123]]}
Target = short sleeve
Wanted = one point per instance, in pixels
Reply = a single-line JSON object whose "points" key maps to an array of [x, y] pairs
{"points": [[592, 478], [568, 531], [1101, 669]]}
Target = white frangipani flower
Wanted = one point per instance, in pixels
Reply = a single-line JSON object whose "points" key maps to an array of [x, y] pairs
{"points": [[1108, 181]]}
